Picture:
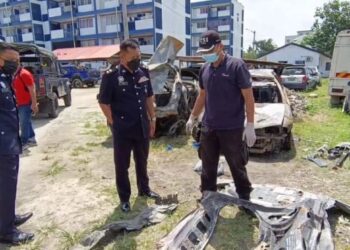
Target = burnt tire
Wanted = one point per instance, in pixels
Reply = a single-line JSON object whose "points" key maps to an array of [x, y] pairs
{"points": [[287, 144], [68, 98], [77, 83], [53, 113]]}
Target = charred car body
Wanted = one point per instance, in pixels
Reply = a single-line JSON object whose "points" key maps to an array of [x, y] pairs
{"points": [[273, 114], [175, 96]]}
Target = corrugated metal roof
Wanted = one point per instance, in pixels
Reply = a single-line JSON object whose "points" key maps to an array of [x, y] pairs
{"points": [[87, 53]]}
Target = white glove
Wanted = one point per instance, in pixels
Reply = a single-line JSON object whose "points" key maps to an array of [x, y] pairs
{"points": [[190, 124], [249, 134]]}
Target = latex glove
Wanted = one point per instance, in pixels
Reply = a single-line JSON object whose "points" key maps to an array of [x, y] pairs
{"points": [[190, 124], [249, 134]]}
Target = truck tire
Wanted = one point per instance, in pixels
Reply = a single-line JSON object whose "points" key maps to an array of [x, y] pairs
{"points": [[53, 113], [287, 144], [68, 98], [77, 83], [334, 101]]}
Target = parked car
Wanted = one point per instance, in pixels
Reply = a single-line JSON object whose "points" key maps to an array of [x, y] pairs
{"points": [[49, 80], [316, 74], [80, 76], [298, 77]]}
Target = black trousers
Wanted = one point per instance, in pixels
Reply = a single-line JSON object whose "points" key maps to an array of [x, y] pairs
{"points": [[122, 154], [8, 189], [230, 144]]}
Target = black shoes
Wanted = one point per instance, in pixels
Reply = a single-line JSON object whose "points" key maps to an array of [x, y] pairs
{"points": [[21, 219], [125, 207], [150, 194], [16, 238]]}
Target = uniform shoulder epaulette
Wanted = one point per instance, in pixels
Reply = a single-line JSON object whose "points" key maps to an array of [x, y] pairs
{"points": [[144, 66], [110, 71]]}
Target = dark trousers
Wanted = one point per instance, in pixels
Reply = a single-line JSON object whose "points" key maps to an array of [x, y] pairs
{"points": [[8, 189], [230, 144], [122, 154]]}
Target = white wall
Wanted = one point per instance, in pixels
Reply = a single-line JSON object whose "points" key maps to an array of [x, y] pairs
{"points": [[292, 53], [237, 30], [174, 21]]}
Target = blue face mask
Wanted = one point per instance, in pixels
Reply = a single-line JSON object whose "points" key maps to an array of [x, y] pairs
{"points": [[210, 58]]}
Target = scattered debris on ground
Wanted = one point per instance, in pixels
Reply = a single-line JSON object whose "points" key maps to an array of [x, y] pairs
{"points": [[289, 218], [149, 216], [336, 156], [298, 104], [221, 166]]}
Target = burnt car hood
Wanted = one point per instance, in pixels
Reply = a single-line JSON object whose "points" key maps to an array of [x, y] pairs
{"points": [[269, 114]]}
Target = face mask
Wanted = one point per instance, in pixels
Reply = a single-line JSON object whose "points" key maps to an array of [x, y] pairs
{"points": [[9, 67], [134, 64], [211, 58]]}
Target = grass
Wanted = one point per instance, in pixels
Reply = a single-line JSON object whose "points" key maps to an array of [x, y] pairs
{"points": [[323, 124], [55, 169], [79, 150]]}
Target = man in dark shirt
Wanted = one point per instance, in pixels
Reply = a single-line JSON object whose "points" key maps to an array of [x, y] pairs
{"points": [[226, 93], [10, 148], [126, 99]]}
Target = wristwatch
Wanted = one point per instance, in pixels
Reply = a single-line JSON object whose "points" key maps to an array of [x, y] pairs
{"points": [[153, 119]]}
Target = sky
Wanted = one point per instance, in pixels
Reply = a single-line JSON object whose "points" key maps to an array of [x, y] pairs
{"points": [[277, 18]]}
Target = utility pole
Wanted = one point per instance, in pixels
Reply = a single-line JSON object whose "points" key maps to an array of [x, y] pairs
{"points": [[125, 19], [254, 35]]}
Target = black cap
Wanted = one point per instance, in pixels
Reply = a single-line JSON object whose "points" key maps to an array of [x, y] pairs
{"points": [[208, 40]]}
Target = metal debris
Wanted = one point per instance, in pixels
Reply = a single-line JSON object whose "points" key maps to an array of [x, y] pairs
{"points": [[149, 216], [289, 219], [221, 166], [298, 104]]}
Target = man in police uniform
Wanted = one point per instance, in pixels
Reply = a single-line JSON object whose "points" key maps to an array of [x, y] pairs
{"points": [[10, 148], [126, 99]]}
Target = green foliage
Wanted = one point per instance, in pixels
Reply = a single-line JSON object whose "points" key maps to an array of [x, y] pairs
{"points": [[262, 48], [332, 18]]}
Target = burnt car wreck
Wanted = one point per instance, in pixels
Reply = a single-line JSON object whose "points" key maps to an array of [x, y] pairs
{"points": [[289, 219], [175, 96], [273, 114]]}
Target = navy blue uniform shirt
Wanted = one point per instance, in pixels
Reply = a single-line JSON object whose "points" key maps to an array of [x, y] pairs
{"points": [[127, 93], [10, 142], [224, 104]]}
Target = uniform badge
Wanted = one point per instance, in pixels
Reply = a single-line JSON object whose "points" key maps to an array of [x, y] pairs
{"points": [[143, 79], [121, 81]]}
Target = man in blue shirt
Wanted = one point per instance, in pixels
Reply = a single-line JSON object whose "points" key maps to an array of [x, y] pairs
{"points": [[126, 99], [226, 93], [10, 148]]}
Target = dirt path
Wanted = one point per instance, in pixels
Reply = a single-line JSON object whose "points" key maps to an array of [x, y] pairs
{"points": [[68, 180]]}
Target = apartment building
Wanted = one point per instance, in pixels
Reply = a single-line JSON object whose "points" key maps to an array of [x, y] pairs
{"points": [[79, 23], [224, 16]]}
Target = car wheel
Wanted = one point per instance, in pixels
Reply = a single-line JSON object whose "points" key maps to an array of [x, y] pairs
{"points": [[68, 98], [77, 83], [287, 144], [53, 113]]}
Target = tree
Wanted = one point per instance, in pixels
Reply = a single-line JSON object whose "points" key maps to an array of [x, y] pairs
{"points": [[332, 18], [262, 48]]}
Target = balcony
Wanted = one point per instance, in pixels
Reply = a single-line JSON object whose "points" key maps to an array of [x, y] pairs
{"points": [[61, 34], [148, 49], [110, 5], [10, 39], [142, 1], [87, 31], [25, 17], [198, 30], [196, 14], [85, 8], [28, 37], [226, 42], [224, 13], [111, 28], [144, 24], [53, 12], [6, 20], [224, 28]]}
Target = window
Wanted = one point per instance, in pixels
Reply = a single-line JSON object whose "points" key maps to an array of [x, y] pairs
{"points": [[86, 23], [108, 20], [328, 66], [159, 1], [159, 23], [86, 43], [201, 25], [302, 62], [204, 10], [282, 61], [222, 8], [84, 2], [188, 7], [188, 26]]}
